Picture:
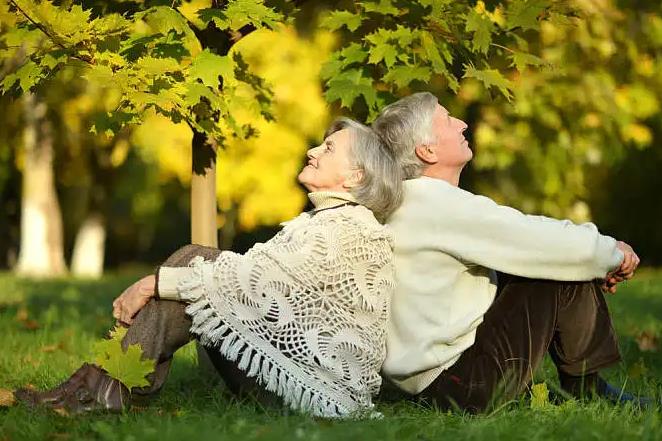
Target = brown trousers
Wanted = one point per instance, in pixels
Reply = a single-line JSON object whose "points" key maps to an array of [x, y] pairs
{"points": [[162, 327], [528, 318]]}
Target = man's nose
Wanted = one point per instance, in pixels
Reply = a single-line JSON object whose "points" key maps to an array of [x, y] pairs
{"points": [[461, 124]]}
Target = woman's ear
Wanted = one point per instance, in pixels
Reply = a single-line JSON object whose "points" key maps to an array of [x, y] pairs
{"points": [[354, 179], [426, 153]]}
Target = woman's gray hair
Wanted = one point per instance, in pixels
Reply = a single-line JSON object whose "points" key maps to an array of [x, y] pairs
{"points": [[380, 188], [406, 124]]}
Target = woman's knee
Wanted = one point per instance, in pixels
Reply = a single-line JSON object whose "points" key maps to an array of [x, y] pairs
{"points": [[183, 256]]}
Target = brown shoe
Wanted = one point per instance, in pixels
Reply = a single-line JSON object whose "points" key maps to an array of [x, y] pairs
{"points": [[89, 388]]}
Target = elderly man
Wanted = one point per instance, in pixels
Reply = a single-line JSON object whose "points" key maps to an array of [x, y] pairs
{"points": [[460, 335]]}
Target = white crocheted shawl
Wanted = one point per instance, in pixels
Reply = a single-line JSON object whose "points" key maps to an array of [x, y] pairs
{"points": [[304, 313]]}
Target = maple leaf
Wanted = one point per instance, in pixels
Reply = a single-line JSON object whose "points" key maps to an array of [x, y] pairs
{"points": [[354, 53], [208, 66], [522, 59], [126, 366], [163, 19], [383, 7], [524, 13], [539, 396], [401, 76], [337, 19], [348, 86], [490, 78], [383, 51], [482, 28]]}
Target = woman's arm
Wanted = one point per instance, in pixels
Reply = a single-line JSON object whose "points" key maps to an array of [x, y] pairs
{"points": [[132, 300]]}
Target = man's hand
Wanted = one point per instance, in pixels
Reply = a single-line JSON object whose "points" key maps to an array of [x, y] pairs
{"points": [[626, 269], [132, 300]]}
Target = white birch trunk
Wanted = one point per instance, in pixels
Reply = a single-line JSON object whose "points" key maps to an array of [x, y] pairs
{"points": [[41, 251], [89, 248]]}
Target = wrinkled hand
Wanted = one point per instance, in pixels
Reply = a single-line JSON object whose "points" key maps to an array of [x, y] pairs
{"points": [[625, 271], [132, 300]]}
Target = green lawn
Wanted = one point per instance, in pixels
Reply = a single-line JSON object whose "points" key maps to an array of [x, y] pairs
{"points": [[47, 329]]}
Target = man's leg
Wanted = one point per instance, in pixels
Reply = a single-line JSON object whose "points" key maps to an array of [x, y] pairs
{"points": [[527, 318]]}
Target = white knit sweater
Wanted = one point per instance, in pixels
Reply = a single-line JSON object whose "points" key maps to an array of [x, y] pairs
{"points": [[304, 313], [448, 242]]}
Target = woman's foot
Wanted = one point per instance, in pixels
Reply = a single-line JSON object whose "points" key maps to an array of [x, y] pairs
{"points": [[90, 388]]}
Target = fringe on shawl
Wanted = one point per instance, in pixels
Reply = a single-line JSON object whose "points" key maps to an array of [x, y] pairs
{"points": [[212, 331]]}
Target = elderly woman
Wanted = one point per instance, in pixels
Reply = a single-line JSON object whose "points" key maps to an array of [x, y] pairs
{"points": [[301, 317]]}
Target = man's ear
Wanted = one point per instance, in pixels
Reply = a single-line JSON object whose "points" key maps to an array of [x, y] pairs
{"points": [[426, 153], [353, 179]]}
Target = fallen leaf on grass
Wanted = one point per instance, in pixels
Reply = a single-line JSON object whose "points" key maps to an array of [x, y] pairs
{"points": [[53, 348], [7, 398], [647, 342], [539, 396], [23, 316], [61, 411]]}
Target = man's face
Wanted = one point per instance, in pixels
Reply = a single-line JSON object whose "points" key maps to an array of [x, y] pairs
{"points": [[452, 148], [329, 167]]}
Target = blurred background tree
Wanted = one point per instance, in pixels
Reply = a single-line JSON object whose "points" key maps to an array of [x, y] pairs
{"points": [[562, 99]]}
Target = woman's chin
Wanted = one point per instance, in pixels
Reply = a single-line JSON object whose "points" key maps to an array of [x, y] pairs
{"points": [[304, 179]]}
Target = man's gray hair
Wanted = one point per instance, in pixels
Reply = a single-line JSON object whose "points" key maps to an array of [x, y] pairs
{"points": [[380, 188], [406, 124]]}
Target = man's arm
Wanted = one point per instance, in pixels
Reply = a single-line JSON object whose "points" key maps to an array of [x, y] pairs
{"points": [[475, 229]]}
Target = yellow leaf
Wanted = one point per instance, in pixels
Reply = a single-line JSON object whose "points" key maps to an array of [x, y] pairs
{"points": [[6, 398], [539, 396]]}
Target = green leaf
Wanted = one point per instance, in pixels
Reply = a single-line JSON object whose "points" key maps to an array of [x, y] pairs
{"points": [[522, 59], [240, 13], [27, 75], [490, 78], [350, 85], [383, 7], [158, 66], [434, 57], [524, 13], [401, 75], [354, 53], [332, 67], [208, 66], [383, 51], [164, 19], [482, 27], [337, 19], [126, 366], [99, 74]]}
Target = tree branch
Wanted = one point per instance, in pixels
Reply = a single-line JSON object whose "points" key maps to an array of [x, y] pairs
{"points": [[53, 38]]}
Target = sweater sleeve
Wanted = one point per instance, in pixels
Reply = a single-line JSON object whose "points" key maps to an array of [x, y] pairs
{"points": [[167, 281], [475, 229]]}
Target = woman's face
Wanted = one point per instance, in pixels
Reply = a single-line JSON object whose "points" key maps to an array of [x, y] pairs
{"points": [[329, 166]]}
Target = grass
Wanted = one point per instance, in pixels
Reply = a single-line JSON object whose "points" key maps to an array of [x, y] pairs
{"points": [[47, 329]]}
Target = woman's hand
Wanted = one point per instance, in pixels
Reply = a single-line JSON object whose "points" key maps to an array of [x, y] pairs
{"points": [[132, 300]]}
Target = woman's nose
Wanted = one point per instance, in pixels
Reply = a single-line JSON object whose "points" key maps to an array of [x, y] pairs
{"points": [[312, 153]]}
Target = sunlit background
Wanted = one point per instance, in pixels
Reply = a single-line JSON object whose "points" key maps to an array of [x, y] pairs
{"points": [[580, 139]]}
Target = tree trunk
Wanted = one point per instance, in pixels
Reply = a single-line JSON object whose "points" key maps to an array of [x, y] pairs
{"points": [[203, 193], [203, 210], [41, 250], [89, 248]]}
